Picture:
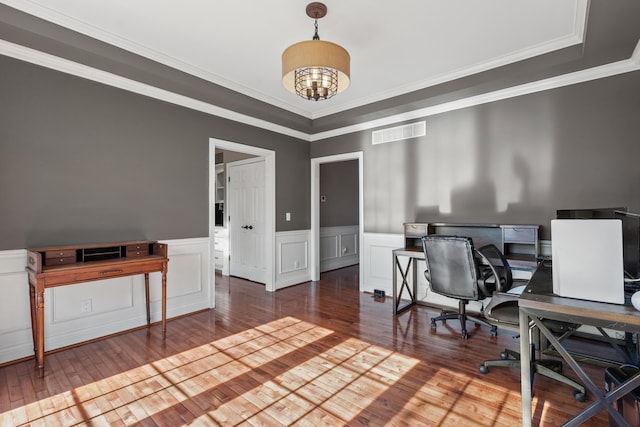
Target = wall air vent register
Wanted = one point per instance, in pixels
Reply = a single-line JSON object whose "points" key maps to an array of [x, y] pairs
{"points": [[399, 133]]}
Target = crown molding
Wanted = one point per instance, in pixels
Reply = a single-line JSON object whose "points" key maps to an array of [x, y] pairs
{"points": [[70, 67], [607, 70]]}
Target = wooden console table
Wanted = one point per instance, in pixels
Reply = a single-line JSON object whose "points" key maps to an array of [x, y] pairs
{"points": [[54, 266]]}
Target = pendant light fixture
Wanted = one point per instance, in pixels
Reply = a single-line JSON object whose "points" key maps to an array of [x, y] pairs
{"points": [[315, 69]]}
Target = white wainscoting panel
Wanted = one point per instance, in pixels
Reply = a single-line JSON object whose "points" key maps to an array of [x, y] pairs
{"points": [[377, 268], [338, 247], [115, 304], [292, 258], [15, 321]]}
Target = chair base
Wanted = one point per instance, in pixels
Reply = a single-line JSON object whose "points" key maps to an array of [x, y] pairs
{"points": [[548, 368], [461, 314]]}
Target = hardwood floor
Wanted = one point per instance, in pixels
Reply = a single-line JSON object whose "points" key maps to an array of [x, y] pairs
{"points": [[313, 354]]}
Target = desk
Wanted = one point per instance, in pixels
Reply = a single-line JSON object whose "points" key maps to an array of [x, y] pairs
{"points": [[519, 243], [79, 264], [537, 302]]}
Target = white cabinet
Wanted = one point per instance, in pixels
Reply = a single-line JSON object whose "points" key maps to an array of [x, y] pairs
{"points": [[221, 250], [220, 181]]}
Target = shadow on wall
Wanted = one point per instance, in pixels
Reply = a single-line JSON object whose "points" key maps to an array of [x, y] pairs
{"points": [[479, 177]]}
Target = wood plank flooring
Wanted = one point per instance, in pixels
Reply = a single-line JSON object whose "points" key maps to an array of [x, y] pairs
{"points": [[310, 355]]}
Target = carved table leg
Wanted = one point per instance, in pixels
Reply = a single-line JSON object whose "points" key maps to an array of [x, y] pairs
{"points": [[32, 305], [39, 333]]}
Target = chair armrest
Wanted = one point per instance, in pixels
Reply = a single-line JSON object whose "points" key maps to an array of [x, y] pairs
{"points": [[489, 254]]}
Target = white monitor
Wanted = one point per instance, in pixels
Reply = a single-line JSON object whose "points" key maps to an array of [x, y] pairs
{"points": [[587, 259]]}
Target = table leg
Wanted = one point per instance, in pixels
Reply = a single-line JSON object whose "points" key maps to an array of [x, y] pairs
{"points": [[39, 332], [146, 293], [394, 273], [164, 302], [32, 305], [525, 369], [602, 401], [404, 272]]}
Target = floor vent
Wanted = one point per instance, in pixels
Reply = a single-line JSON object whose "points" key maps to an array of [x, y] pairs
{"points": [[399, 133]]}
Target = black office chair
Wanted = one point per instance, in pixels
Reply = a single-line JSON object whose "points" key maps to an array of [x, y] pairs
{"points": [[502, 311], [456, 270]]}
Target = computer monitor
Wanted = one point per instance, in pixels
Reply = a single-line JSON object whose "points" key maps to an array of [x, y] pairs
{"points": [[630, 243], [587, 259], [630, 232]]}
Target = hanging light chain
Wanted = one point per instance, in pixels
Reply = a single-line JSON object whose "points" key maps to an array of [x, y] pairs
{"points": [[316, 36]]}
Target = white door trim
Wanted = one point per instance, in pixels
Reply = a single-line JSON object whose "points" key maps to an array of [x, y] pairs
{"points": [[315, 208], [270, 199]]}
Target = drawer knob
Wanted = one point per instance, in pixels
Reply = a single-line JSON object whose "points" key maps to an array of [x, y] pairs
{"points": [[61, 259], [61, 253]]}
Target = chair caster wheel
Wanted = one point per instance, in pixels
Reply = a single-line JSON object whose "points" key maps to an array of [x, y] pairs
{"points": [[433, 324], [504, 355], [465, 335], [483, 369], [580, 396], [493, 332]]}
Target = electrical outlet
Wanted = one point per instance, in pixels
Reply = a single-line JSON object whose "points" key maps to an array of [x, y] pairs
{"points": [[85, 306]]}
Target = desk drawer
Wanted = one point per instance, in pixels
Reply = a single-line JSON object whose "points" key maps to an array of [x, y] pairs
{"points": [[63, 260], [107, 272], [137, 250], [415, 230], [61, 257], [60, 254], [520, 234]]}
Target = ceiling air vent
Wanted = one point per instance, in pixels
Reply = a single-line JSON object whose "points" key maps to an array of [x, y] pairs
{"points": [[399, 133]]}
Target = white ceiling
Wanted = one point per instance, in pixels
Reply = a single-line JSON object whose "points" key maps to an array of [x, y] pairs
{"points": [[395, 47]]}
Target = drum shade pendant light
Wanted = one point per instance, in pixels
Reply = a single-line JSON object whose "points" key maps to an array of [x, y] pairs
{"points": [[315, 69]]}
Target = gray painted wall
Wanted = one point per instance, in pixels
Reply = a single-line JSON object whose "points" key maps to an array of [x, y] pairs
{"points": [[512, 161], [84, 162], [339, 185]]}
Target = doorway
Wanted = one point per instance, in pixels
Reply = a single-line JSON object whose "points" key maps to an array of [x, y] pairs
{"points": [[269, 203], [315, 209]]}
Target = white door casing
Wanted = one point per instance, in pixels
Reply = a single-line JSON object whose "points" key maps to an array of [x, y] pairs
{"points": [[269, 157], [314, 253], [246, 219]]}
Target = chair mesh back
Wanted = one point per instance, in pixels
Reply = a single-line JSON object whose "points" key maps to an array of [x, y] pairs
{"points": [[451, 268]]}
